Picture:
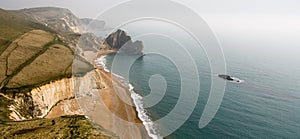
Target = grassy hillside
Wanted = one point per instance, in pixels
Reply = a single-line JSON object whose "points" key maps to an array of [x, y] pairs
{"points": [[12, 26], [59, 19], [61, 127], [31, 55]]}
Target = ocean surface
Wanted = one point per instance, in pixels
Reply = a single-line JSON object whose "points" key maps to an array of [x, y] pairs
{"points": [[265, 105]]}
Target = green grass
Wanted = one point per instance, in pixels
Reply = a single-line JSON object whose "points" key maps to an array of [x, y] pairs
{"points": [[12, 26], [62, 127], [33, 60]]}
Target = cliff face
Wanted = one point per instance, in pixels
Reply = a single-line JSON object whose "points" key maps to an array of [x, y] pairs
{"points": [[40, 102], [48, 96], [92, 95], [62, 20], [89, 46], [56, 18], [55, 99], [120, 41]]}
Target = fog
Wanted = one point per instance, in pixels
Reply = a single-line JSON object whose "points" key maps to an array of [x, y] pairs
{"points": [[249, 26]]}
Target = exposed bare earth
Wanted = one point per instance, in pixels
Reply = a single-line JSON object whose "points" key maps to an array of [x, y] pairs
{"points": [[104, 100], [121, 116]]}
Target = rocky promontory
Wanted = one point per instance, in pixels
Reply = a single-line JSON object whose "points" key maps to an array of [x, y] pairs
{"points": [[120, 41]]}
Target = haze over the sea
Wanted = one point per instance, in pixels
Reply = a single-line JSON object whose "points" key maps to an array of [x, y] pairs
{"points": [[260, 41]]}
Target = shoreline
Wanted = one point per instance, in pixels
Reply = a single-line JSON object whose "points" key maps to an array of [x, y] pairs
{"points": [[106, 99], [103, 97], [98, 95], [135, 99]]}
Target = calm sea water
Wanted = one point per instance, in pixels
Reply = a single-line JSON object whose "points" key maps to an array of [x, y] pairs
{"points": [[266, 105]]}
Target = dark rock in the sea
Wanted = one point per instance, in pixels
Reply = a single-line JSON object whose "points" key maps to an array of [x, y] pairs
{"points": [[117, 39], [122, 42], [226, 77]]}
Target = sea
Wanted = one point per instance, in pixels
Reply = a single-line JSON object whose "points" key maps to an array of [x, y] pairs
{"points": [[266, 104]]}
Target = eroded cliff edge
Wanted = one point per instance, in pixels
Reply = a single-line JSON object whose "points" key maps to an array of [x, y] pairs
{"points": [[38, 80], [92, 95]]}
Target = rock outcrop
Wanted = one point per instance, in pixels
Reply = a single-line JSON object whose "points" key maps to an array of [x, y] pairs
{"points": [[122, 42], [226, 77]]}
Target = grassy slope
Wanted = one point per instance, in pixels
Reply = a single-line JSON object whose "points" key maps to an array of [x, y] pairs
{"points": [[12, 26], [32, 55], [61, 127]]}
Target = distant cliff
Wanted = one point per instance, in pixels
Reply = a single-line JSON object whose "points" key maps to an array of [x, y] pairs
{"points": [[61, 19], [68, 25], [92, 25], [56, 18], [120, 41]]}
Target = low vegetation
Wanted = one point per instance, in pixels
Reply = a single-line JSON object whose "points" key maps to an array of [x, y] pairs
{"points": [[31, 54], [61, 127]]}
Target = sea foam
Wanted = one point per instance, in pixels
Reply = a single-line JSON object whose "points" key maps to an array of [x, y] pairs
{"points": [[137, 100], [237, 80], [100, 62]]}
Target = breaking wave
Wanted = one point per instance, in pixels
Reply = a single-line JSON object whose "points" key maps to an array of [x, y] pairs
{"points": [[137, 100]]}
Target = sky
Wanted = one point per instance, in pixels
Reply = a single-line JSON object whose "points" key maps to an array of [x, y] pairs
{"points": [[92, 8], [269, 21]]}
